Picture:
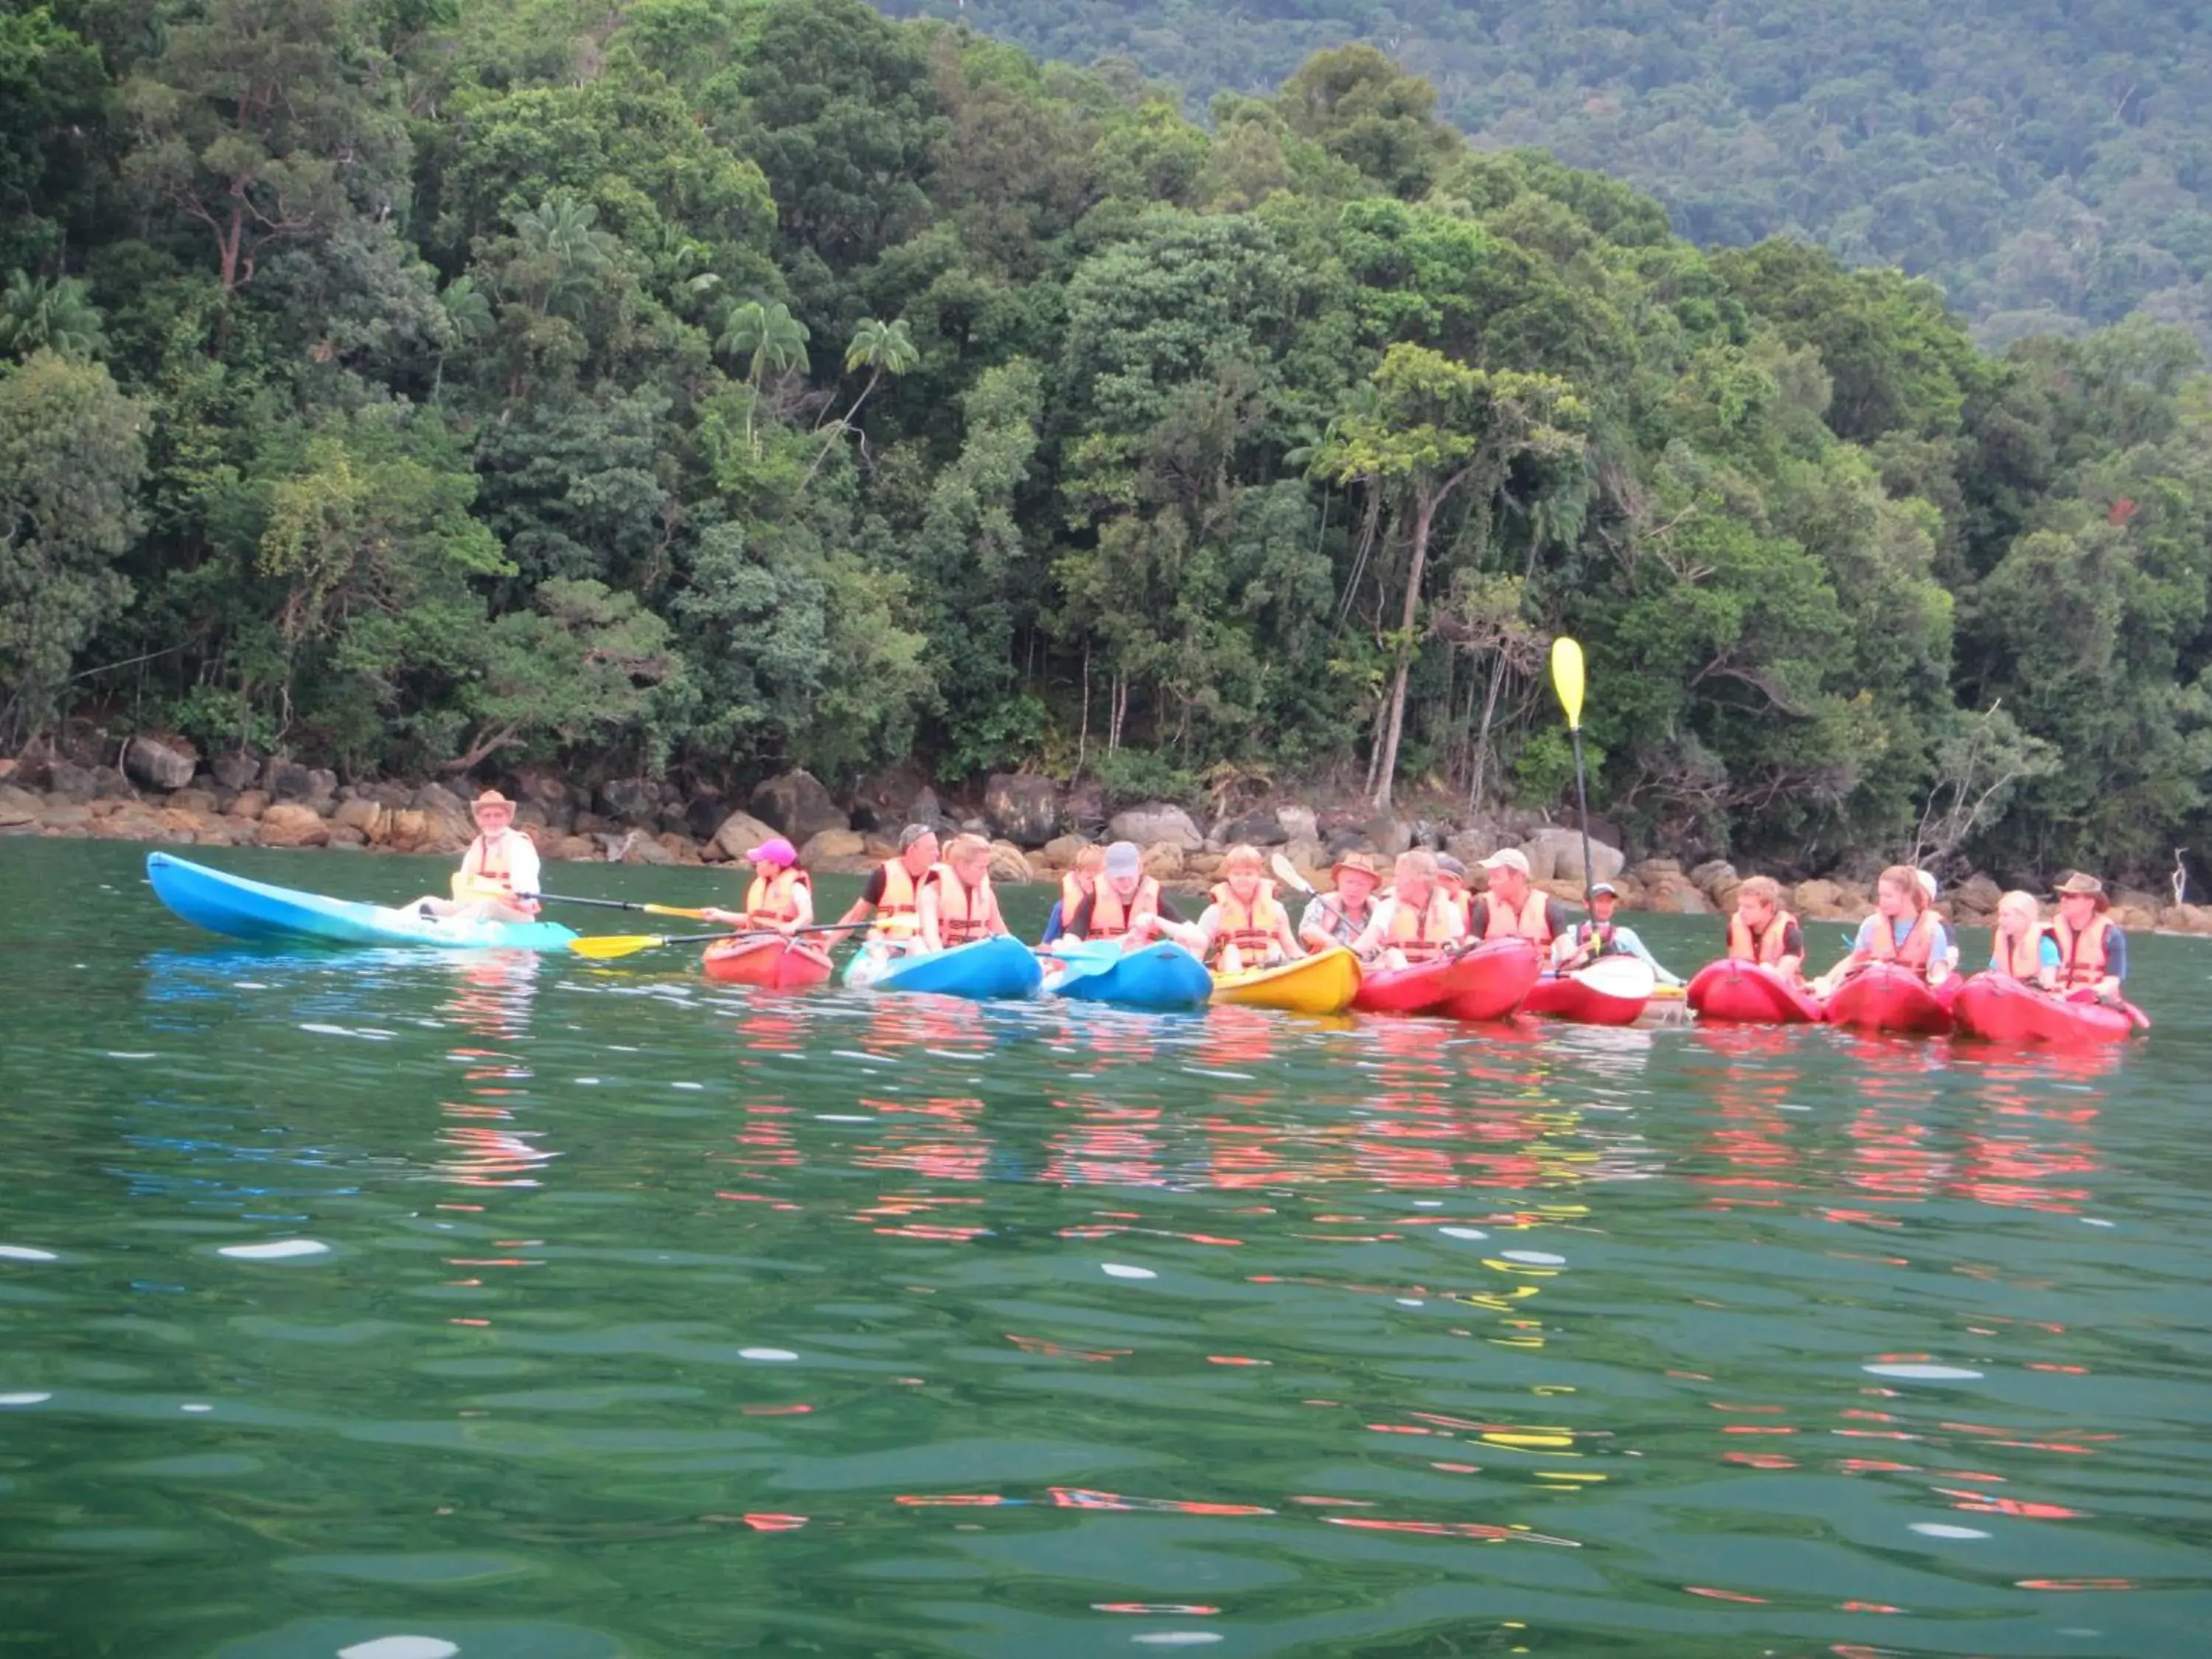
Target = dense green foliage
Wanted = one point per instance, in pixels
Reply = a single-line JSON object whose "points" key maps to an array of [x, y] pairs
{"points": [[731, 383], [2046, 161]]}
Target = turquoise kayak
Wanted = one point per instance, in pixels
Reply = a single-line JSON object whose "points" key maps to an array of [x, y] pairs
{"points": [[1001, 966], [1162, 975], [224, 904]]}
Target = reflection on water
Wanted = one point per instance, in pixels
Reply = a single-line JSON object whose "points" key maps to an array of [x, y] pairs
{"points": [[643, 1315]]}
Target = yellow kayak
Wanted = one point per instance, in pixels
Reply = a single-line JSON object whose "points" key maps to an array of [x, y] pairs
{"points": [[1323, 984]]}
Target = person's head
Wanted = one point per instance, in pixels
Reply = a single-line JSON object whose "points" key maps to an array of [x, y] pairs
{"points": [[2018, 914], [969, 857], [2080, 899], [1123, 867], [1356, 876], [492, 811], [1757, 900], [1451, 875], [917, 847], [1088, 864], [1507, 873], [1415, 872], [1604, 900], [1898, 894], [1243, 869], [773, 855]]}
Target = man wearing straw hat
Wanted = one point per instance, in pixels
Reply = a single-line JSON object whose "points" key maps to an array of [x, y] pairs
{"points": [[1340, 917], [498, 879], [2093, 952]]}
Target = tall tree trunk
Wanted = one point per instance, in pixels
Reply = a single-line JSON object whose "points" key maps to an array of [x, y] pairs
{"points": [[1482, 732], [1417, 561]]}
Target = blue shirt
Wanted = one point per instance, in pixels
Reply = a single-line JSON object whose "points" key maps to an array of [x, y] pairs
{"points": [[1939, 946], [2046, 954]]}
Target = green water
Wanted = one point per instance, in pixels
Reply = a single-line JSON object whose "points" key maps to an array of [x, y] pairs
{"points": [[654, 1318]]}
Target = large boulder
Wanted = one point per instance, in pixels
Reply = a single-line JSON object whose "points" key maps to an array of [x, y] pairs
{"points": [[1471, 846], [415, 830], [18, 807], [294, 823], [1157, 823], [1021, 809], [1818, 900], [1008, 863], [797, 805], [1389, 835], [72, 782], [830, 844], [1976, 898], [152, 764], [924, 808], [631, 800], [1298, 822], [435, 798], [1676, 896], [240, 769], [737, 834], [1555, 854], [1258, 828], [1713, 875], [372, 818], [1164, 860], [639, 848], [248, 804], [1059, 854], [1309, 859]]}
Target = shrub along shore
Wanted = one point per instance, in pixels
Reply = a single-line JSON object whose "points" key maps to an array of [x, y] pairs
{"points": [[1036, 826]]}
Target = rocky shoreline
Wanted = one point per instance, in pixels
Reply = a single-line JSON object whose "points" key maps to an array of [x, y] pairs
{"points": [[162, 793]]}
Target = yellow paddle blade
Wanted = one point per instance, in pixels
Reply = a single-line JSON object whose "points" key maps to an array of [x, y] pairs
{"points": [[671, 911], [1567, 678], [605, 947]]}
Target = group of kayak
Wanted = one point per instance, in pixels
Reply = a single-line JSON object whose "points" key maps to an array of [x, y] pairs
{"points": [[1425, 942]]}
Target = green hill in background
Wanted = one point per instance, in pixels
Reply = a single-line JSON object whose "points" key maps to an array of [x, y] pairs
{"points": [[2048, 162]]}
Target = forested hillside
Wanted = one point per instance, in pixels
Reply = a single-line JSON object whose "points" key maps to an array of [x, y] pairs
{"points": [[709, 386], [2048, 162]]}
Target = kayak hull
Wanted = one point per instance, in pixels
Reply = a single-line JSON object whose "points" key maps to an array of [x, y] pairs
{"points": [[1886, 1000], [1509, 970], [1324, 983], [984, 969], [1997, 1008], [1422, 989], [1743, 994], [241, 908], [1161, 975], [771, 964], [1614, 992]]}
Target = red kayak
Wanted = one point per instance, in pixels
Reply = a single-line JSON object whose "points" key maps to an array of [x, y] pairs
{"points": [[1882, 997], [1613, 991], [772, 964], [1503, 971], [1744, 993], [1422, 989], [2001, 1009]]}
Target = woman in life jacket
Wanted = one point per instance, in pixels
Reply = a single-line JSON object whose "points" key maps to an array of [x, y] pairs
{"points": [[1244, 928], [1416, 923], [780, 899], [2023, 948], [1341, 916], [1762, 932], [1904, 930], [959, 906], [2093, 952], [1076, 887]]}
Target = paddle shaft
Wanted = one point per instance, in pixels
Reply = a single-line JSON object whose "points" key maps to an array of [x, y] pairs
{"points": [[1582, 800], [623, 904]]}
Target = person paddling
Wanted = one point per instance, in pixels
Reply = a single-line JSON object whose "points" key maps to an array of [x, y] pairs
{"points": [[1341, 916], [1416, 923], [1904, 930], [781, 898], [2093, 952], [1125, 903], [498, 880], [2023, 948], [959, 906], [891, 900], [1244, 927], [1761, 931], [1514, 907], [1601, 936]]}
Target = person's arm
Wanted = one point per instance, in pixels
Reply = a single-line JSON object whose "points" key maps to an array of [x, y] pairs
{"points": [[1314, 923], [1792, 964], [2048, 962], [802, 905], [1565, 954], [926, 909], [524, 876], [871, 894], [994, 923], [2115, 962], [1939, 954], [1369, 946], [1197, 937], [1053, 930], [1287, 936]]}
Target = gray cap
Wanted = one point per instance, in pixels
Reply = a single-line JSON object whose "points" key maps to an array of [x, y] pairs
{"points": [[912, 833], [1122, 858], [1606, 888], [1451, 867]]}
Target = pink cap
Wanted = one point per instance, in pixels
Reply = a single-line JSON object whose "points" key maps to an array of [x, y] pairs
{"points": [[774, 850]]}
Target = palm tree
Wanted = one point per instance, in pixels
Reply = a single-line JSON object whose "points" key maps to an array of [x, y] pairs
{"points": [[772, 340], [880, 348], [560, 238], [56, 315]]}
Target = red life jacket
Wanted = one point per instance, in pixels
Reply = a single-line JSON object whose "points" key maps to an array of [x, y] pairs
{"points": [[2081, 955]]}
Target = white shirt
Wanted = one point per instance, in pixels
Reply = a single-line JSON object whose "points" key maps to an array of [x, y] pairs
{"points": [[520, 854]]}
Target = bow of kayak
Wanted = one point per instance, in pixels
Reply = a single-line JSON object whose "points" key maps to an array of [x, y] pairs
{"points": [[1612, 991], [1504, 971], [1886, 999], [1324, 983], [1422, 989], [772, 964], [242, 909], [1744, 993], [1159, 975], [1998, 1008], [984, 968]]}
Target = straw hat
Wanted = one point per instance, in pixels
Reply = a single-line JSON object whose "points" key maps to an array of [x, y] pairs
{"points": [[491, 798], [2080, 885], [1365, 863]]}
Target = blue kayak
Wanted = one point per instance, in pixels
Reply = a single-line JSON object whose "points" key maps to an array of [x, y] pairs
{"points": [[1162, 975], [1001, 966], [230, 904]]}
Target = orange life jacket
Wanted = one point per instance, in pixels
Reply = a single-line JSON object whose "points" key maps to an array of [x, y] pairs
{"points": [[1421, 935], [898, 912], [1771, 944], [1110, 918], [2020, 958], [1919, 944], [1251, 931], [2081, 955], [1071, 897], [485, 873], [968, 920], [771, 901], [1221, 895], [1534, 923]]}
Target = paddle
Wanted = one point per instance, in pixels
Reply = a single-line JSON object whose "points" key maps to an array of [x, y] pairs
{"points": [[610, 947], [1567, 681], [1287, 873], [624, 904]]}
